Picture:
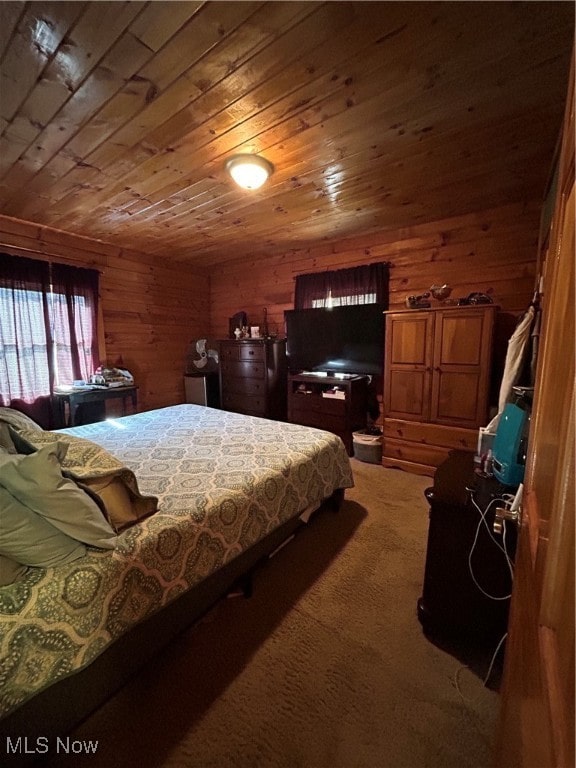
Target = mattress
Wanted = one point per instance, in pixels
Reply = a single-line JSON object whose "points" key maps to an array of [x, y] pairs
{"points": [[223, 480]]}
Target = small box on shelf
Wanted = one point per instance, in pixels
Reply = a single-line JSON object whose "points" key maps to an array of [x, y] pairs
{"points": [[334, 392]]}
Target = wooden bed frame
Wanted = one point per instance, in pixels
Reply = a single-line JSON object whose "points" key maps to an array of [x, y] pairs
{"points": [[55, 711]]}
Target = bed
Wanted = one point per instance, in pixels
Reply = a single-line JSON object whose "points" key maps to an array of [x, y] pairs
{"points": [[227, 490]]}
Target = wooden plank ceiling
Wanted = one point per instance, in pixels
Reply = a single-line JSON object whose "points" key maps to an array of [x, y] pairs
{"points": [[117, 118]]}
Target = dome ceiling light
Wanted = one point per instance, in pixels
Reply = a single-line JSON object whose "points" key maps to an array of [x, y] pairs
{"points": [[249, 171]]}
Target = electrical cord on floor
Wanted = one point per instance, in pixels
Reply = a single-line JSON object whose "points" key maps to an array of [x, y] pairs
{"points": [[494, 655], [488, 674], [457, 682]]}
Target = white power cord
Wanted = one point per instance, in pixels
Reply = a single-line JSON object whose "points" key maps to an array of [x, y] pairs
{"points": [[502, 548], [494, 655], [511, 501], [456, 678]]}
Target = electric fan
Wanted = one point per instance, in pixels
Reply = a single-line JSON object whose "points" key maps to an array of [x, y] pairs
{"points": [[200, 358]]}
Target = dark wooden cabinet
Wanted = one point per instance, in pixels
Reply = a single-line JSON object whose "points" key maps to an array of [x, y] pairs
{"points": [[467, 578], [310, 405], [253, 376]]}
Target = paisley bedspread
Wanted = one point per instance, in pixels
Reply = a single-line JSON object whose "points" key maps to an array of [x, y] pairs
{"points": [[223, 480]]}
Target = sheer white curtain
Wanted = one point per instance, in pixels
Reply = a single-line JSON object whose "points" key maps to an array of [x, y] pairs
{"points": [[24, 337], [48, 327]]}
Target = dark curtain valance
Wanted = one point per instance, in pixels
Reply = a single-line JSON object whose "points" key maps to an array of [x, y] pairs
{"points": [[23, 273], [36, 275], [348, 286]]}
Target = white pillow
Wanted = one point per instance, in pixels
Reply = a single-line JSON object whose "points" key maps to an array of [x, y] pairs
{"points": [[36, 481]]}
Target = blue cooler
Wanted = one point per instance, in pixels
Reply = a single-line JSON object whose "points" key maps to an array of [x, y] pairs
{"points": [[509, 448]]}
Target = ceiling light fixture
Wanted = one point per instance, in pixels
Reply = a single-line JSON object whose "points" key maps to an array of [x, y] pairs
{"points": [[249, 171]]}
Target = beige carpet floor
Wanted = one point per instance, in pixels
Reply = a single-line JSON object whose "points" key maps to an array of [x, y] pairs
{"points": [[326, 666]]}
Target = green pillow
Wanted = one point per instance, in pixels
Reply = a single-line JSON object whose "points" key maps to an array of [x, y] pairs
{"points": [[6, 442], [109, 482], [29, 539], [36, 481], [17, 419]]}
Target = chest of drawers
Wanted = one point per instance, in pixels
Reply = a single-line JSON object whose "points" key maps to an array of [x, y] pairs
{"points": [[253, 377]]}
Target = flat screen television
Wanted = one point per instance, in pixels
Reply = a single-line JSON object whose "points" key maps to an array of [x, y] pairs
{"points": [[347, 340]]}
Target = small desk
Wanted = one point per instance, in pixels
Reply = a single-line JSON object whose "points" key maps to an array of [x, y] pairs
{"points": [[78, 397]]}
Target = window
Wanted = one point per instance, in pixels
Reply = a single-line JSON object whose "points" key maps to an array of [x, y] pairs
{"points": [[367, 284], [341, 301], [48, 327]]}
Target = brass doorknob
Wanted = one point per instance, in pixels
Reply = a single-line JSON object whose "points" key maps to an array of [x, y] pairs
{"points": [[502, 514], [513, 512]]}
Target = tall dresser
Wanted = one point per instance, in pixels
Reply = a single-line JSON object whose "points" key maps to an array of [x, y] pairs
{"points": [[253, 377], [436, 383]]}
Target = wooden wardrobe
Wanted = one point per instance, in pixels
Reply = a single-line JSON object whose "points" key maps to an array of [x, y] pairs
{"points": [[436, 383]]}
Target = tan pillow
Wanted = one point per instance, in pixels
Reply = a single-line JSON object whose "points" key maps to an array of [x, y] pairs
{"points": [[36, 481], [116, 499]]}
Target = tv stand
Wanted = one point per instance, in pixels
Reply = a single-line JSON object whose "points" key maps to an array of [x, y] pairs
{"points": [[335, 403]]}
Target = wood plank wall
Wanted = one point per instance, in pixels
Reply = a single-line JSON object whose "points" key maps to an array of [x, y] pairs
{"points": [[151, 310], [493, 252]]}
